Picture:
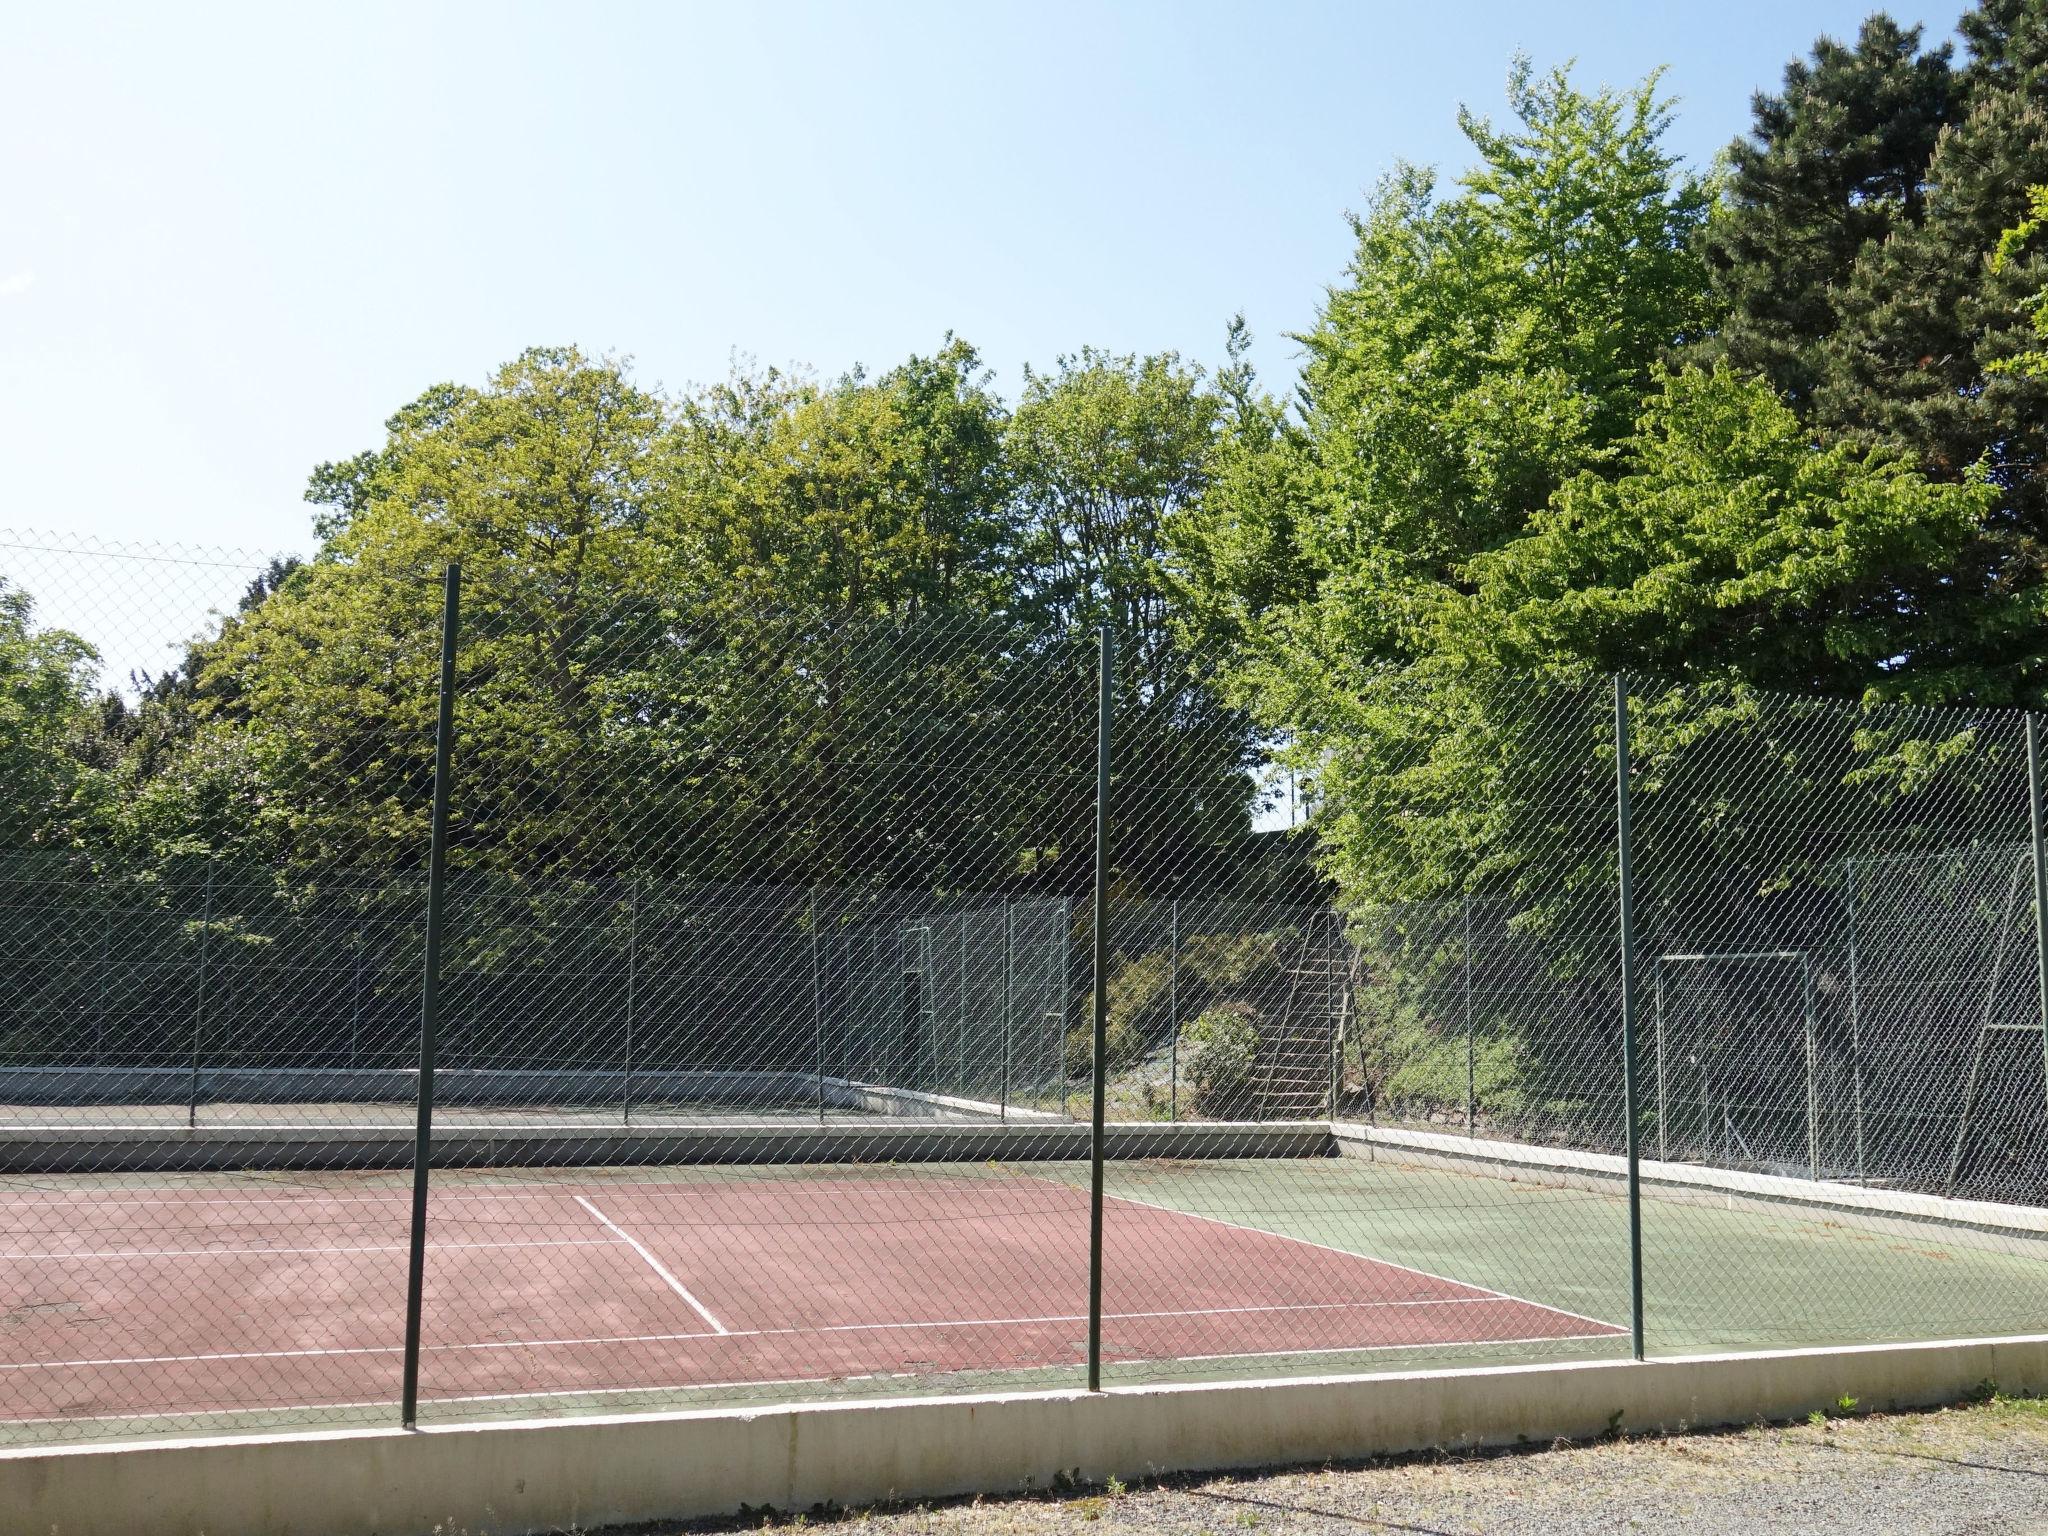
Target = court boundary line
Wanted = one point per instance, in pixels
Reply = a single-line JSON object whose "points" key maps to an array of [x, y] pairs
{"points": [[1309, 1242], [656, 1265], [918, 1324]]}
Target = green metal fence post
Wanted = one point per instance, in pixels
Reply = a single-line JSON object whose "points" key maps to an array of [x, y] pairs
{"points": [[1662, 1070], [817, 1010], [199, 1006], [1009, 988], [1626, 882], [430, 998], [2035, 820], [1855, 1019], [632, 994], [1099, 986], [99, 1012], [355, 997], [1059, 1020], [1338, 998], [1471, 1063], [1812, 1025], [1173, 1016]]}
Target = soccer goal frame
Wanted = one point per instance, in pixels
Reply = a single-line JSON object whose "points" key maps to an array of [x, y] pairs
{"points": [[1803, 959]]}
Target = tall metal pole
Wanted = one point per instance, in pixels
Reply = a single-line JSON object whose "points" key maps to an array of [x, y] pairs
{"points": [[1173, 1016], [199, 1007], [430, 997], [1099, 984], [1471, 1068], [1059, 1020], [1662, 1070], [632, 994], [928, 1010], [1855, 1020], [1812, 1069], [2035, 817], [355, 998], [817, 1010], [1626, 881], [1339, 996], [1009, 988], [99, 1012]]}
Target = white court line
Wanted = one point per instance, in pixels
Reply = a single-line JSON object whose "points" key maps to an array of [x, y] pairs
{"points": [[1370, 1258], [483, 1192], [777, 1381], [774, 1333], [951, 1322], [433, 1246], [655, 1264], [1367, 1349]]}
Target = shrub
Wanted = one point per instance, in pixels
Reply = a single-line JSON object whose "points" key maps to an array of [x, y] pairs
{"points": [[1227, 961], [1223, 1061]]}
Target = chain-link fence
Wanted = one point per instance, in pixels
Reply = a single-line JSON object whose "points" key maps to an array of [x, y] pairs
{"points": [[771, 1022]]}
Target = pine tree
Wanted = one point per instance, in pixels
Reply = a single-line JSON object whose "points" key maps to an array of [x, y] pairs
{"points": [[1854, 250], [1834, 164]]}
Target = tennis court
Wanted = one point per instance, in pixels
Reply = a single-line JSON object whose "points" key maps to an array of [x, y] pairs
{"points": [[222, 1297], [221, 1301]]}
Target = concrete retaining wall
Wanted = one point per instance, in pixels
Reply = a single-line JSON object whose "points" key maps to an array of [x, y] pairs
{"points": [[495, 1480], [535, 1143]]}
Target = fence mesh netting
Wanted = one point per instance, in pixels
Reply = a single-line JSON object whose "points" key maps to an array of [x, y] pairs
{"points": [[766, 1050]]}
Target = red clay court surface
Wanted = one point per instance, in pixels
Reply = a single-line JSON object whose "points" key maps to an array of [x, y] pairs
{"points": [[123, 1303]]}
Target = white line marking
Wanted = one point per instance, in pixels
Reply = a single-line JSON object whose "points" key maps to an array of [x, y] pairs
{"points": [[1367, 1349], [824, 1328], [486, 1192], [770, 1381], [1371, 1258], [959, 1322], [655, 1264], [207, 1253]]}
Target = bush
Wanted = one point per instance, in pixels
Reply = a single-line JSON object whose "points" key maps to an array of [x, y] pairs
{"points": [[1223, 1061], [1138, 991], [1224, 973], [1421, 1073], [1232, 961]]}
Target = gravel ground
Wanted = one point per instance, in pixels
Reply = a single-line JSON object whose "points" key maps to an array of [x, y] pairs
{"points": [[1982, 1468]]}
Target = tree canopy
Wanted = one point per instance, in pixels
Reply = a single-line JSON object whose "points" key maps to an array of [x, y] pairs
{"points": [[1576, 407]]}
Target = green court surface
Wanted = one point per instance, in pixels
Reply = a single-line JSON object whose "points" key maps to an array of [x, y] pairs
{"points": [[1715, 1276]]}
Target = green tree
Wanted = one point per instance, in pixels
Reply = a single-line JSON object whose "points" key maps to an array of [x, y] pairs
{"points": [[2034, 362], [537, 484], [853, 545], [1853, 250], [871, 497], [1729, 545], [1488, 346], [46, 702], [1485, 349], [1107, 454], [772, 629], [1834, 162]]}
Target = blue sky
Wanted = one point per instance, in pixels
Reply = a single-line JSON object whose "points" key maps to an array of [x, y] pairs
{"points": [[237, 238]]}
